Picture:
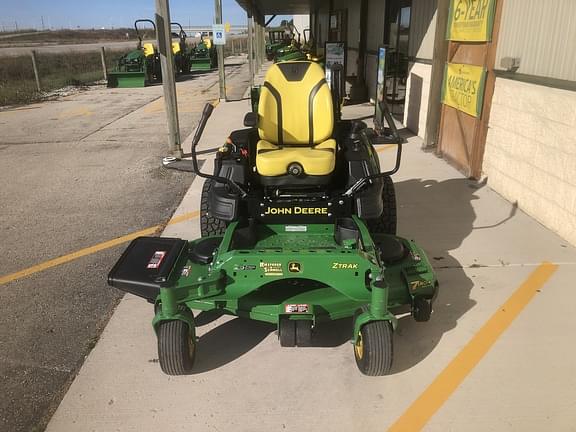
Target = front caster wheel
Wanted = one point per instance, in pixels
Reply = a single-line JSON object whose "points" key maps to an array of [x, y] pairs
{"points": [[287, 332], [176, 347], [373, 349], [304, 333], [421, 309]]}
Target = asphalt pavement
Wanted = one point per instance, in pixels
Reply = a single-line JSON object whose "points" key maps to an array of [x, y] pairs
{"points": [[77, 172]]}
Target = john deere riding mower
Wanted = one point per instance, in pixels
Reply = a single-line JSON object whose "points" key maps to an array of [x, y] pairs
{"points": [[181, 51], [139, 67], [298, 227], [204, 56]]}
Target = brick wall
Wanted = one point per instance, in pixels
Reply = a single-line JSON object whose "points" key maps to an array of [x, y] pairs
{"points": [[531, 152]]}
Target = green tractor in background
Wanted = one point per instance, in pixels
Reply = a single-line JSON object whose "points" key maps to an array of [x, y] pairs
{"points": [[278, 38], [182, 52], [300, 48], [139, 67], [204, 55]]}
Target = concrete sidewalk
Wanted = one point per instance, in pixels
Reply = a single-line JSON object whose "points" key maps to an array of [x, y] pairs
{"points": [[482, 247]]}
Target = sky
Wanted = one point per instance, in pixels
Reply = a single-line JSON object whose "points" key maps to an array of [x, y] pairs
{"points": [[109, 13]]}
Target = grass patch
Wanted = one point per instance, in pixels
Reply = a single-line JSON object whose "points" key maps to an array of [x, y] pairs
{"points": [[71, 36], [18, 85]]}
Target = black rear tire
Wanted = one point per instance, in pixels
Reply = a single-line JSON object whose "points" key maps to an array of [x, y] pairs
{"points": [[374, 350], [209, 226], [386, 223], [176, 348]]}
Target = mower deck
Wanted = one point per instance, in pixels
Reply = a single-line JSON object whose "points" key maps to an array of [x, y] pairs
{"points": [[296, 271]]}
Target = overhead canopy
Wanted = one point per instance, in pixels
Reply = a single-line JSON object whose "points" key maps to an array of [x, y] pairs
{"points": [[278, 7]]}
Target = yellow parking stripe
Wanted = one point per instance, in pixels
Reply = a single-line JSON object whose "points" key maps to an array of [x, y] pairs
{"points": [[92, 249], [429, 402], [381, 148]]}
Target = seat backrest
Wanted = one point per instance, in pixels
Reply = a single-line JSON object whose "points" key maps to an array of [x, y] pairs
{"points": [[148, 49], [295, 105]]}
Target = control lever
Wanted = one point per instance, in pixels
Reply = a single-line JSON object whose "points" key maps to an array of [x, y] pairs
{"points": [[206, 113]]}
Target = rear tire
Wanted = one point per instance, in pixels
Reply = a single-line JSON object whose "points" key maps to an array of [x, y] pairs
{"points": [[209, 226], [386, 223], [176, 348], [374, 350]]}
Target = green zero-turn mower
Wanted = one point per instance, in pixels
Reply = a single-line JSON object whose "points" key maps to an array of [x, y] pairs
{"points": [[298, 227], [139, 67]]}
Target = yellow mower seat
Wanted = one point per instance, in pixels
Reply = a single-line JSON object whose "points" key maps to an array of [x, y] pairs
{"points": [[273, 161], [295, 121], [148, 49]]}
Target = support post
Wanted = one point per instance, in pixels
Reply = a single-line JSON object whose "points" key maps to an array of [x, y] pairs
{"points": [[168, 76], [35, 67], [437, 76], [250, 44], [220, 51], [103, 59], [257, 46], [232, 46], [263, 41]]}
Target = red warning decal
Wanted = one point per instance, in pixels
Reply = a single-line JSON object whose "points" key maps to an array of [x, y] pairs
{"points": [[156, 259]]}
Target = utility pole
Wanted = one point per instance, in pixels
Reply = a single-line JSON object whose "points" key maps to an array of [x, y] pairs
{"points": [[220, 51], [168, 76]]}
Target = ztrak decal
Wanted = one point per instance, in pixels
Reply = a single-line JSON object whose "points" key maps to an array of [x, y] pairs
{"points": [[344, 266], [417, 284], [241, 267]]}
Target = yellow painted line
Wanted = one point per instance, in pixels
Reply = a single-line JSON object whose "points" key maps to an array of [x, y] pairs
{"points": [[429, 402], [80, 111], [92, 249], [385, 147]]}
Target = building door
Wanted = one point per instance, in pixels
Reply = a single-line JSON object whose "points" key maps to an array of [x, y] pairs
{"points": [[396, 33], [462, 137]]}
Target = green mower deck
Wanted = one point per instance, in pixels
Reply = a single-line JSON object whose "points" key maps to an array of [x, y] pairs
{"points": [[126, 79]]}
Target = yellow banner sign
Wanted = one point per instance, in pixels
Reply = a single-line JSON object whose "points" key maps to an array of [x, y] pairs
{"points": [[470, 20], [463, 88]]}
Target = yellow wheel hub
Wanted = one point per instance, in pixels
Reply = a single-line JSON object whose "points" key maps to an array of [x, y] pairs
{"points": [[359, 347]]}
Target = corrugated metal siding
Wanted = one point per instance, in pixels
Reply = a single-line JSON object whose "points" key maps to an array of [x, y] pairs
{"points": [[542, 34], [422, 28]]}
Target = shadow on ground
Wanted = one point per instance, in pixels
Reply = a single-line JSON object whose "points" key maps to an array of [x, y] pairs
{"points": [[439, 216]]}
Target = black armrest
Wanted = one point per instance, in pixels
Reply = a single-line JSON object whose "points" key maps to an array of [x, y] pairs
{"points": [[251, 119]]}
